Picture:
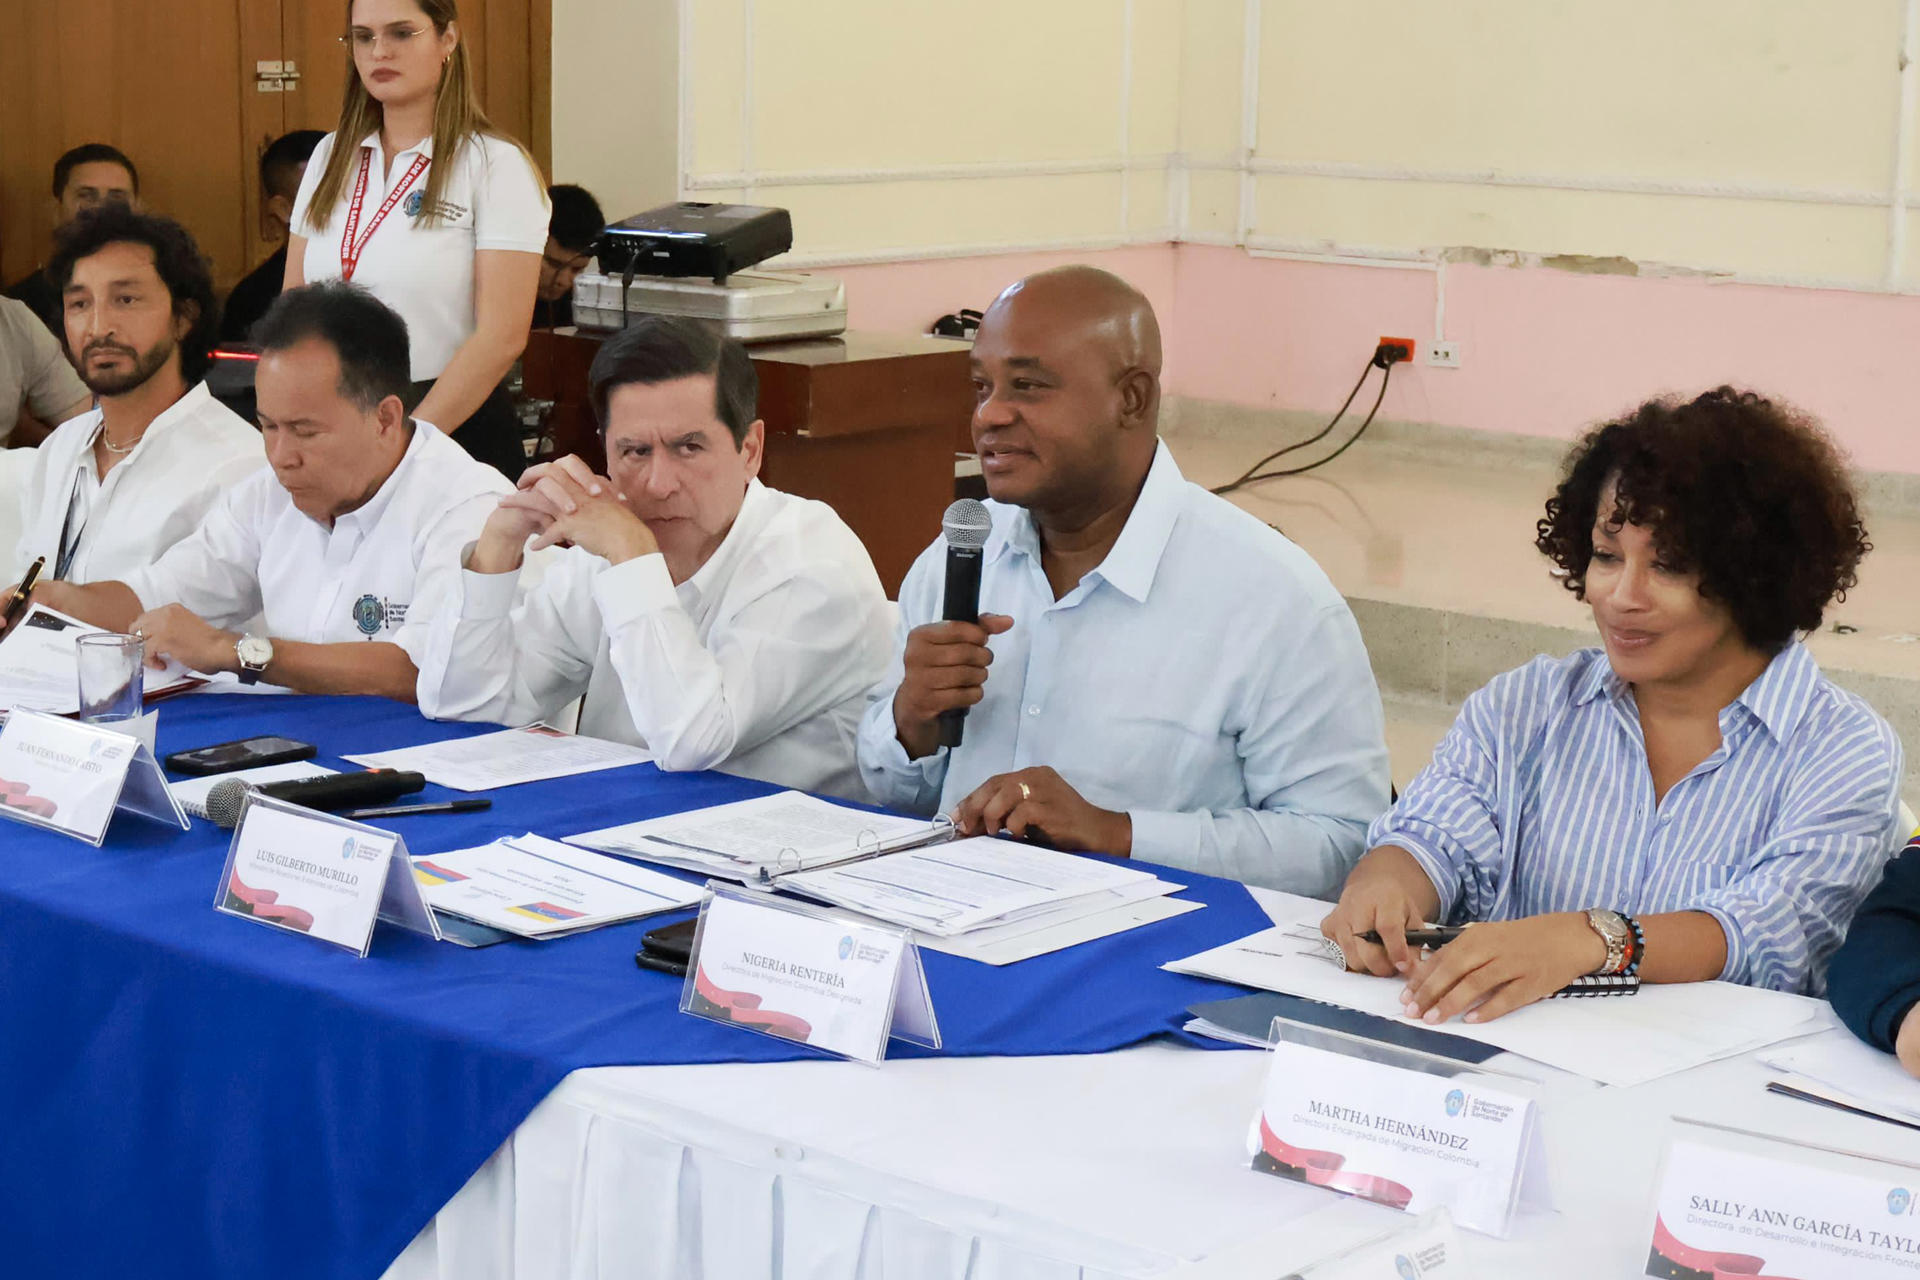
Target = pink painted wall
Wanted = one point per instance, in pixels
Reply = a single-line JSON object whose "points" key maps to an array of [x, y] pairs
{"points": [[1545, 352]]}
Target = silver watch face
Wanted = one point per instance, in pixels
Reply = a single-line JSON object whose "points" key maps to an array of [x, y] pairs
{"points": [[1611, 925], [253, 651]]}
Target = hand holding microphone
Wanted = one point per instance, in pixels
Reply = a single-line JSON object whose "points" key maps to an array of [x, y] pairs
{"points": [[946, 662]]}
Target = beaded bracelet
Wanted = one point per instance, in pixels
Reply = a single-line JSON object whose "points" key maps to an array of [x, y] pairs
{"points": [[1636, 950]]}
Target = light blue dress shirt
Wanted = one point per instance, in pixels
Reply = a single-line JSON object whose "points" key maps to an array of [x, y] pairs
{"points": [[1540, 799], [1206, 679]]}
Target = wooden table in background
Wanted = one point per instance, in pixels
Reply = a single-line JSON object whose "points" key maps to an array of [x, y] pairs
{"points": [[867, 423]]}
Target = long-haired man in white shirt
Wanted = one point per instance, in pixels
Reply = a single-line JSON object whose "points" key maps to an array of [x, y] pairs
{"points": [[342, 546], [720, 623], [114, 488]]}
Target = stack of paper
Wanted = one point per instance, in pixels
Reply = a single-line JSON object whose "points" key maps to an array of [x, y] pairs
{"points": [[507, 758], [40, 672], [539, 888], [756, 840], [1854, 1073], [1621, 1040]]}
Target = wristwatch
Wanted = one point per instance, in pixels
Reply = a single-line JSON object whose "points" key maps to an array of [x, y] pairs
{"points": [[1613, 930], [254, 653]]}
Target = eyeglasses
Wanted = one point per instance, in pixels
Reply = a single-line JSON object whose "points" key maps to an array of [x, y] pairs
{"points": [[361, 40]]}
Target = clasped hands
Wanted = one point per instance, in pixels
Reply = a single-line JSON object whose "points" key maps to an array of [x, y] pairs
{"points": [[945, 669], [561, 502], [1490, 970]]}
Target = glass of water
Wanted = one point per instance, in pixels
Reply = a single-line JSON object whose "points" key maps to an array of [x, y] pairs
{"points": [[112, 678]]}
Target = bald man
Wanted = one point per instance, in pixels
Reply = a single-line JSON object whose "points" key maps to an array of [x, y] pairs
{"points": [[1160, 675]]}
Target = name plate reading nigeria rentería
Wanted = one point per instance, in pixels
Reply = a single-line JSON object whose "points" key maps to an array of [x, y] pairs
{"points": [[70, 777], [807, 974], [308, 872], [1399, 1128], [1730, 1204]]}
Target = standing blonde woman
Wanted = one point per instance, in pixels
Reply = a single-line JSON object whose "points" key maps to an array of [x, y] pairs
{"points": [[434, 212]]}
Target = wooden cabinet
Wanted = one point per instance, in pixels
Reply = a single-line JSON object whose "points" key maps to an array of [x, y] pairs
{"points": [[180, 87]]}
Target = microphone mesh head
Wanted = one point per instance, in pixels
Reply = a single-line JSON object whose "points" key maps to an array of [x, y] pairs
{"points": [[967, 523], [226, 801]]}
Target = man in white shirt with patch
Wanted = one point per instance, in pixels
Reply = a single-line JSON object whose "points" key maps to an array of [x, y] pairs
{"points": [[111, 490], [358, 525], [717, 622]]}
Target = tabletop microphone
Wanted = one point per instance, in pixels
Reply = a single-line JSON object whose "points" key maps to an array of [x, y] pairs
{"points": [[228, 798], [965, 527]]}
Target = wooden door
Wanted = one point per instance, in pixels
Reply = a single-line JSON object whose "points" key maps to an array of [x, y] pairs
{"points": [[175, 86], [156, 80]]}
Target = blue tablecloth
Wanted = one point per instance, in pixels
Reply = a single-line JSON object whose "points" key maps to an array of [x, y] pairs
{"points": [[184, 1093]]}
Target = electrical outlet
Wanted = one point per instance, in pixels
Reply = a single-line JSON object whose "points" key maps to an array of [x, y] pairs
{"points": [[1443, 355]]}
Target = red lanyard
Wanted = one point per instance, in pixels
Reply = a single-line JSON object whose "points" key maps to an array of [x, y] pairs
{"points": [[352, 246]]}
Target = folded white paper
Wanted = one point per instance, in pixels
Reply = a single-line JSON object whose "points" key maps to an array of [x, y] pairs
{"points": [[506, 759]]}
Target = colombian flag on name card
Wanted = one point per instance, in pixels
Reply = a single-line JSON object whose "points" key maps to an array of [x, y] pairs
{"points": [[545, 911]]}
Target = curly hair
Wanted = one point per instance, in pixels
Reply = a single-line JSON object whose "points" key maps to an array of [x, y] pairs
{"points": [[176, 259], [1748, 494]]}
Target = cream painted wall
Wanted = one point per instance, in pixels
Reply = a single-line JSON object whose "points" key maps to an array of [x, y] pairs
{"points": [[1760, 138], [616, 86]]}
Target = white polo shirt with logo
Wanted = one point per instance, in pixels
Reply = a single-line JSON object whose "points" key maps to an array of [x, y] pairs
{"points": [[367, 577], [493, 199]]}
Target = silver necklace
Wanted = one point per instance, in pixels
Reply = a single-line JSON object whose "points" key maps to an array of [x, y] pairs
{"points": [[120, 450]]}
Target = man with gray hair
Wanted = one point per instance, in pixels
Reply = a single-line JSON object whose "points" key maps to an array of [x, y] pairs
{"points": [[717, 622]]}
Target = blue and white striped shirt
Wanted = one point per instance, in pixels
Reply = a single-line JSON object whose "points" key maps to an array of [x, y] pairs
{"points": [[1540, 799]]}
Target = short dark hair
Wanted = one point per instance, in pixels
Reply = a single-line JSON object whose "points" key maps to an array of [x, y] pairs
{"points": [[90, 153], [577, 221], [369, 337], [1750, 495], [176, 258], [656, 349], [280, 162]]}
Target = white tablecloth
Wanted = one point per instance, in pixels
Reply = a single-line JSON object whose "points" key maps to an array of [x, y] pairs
{"points": [[1122, 1165]]}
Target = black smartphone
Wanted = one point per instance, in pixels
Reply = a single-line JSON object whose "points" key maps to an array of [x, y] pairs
{"points": [[244, 753], [671, 941]]}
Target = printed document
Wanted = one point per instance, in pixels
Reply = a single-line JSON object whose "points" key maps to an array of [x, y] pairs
{"points": [[539, 888], [789, 831], [39, 669], [1618, 1040], [507, 758]]}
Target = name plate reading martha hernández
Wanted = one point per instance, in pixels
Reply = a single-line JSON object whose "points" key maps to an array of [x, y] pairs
{"points": [[1403, 1135], [1732, 1204], [807, 974]]}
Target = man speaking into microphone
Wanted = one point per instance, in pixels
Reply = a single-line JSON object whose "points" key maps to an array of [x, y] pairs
{"points": [[1153, 673]]}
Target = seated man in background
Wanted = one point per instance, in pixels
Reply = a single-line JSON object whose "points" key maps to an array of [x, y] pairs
{"points": [[717, 622], [1692, 800], [360, 519], [114, 488], [1875, 979], [1155, 672], [38, 388], [281, 167], [572, 231], [85, 178]]}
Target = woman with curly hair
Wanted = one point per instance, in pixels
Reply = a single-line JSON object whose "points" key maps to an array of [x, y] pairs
{"points": [[1692, 800]]}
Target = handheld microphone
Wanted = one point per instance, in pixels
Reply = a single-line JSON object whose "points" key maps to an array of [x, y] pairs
{"points": [[227, 799], [965, 527]]}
